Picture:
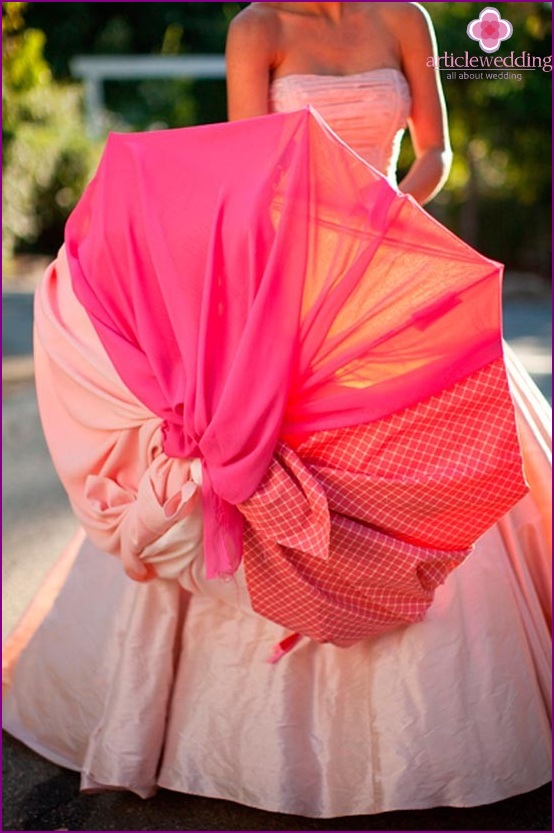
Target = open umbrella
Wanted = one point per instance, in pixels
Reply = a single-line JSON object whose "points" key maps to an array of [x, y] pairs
{"points": [[329, 351]]}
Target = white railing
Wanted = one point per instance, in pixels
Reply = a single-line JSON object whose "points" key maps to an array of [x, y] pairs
{"points": [[95, 69]]}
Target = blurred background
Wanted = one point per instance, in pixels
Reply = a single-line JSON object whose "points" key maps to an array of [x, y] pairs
{"points": [[498, 196]]}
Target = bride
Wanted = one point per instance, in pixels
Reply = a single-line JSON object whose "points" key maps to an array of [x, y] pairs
{"points": [[165, 682], [283, 55]]}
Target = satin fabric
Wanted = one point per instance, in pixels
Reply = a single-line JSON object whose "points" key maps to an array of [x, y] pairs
{"points": [[454, 710]]}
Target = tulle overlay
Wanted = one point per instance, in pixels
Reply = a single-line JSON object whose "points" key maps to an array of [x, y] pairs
{"points": [[168, 683]]}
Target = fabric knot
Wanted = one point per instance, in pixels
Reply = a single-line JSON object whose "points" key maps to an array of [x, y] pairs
{"points": [[175, 441]]}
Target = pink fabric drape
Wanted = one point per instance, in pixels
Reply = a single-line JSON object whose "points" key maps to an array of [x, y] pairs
{"points": [[257, 281], [347, 535]]}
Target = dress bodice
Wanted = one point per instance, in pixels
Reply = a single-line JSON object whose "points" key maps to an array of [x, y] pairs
{"points": [[368, 110]]}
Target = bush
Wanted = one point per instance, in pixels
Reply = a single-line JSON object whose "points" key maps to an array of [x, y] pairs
{"points": [[47, 158], [46, 166]]}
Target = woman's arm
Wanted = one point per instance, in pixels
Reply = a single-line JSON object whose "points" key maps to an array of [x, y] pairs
{"points": [[428, 121], [250, 55]]}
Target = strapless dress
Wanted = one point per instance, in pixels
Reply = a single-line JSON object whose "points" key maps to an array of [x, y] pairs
{"points": [[167, 683], [368, 110]]}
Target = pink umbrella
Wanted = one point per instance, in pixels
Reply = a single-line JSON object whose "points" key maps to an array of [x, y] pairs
{"points": [[328, 350]]}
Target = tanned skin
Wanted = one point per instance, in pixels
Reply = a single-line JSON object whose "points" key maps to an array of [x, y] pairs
{"points": [[271, 40]]}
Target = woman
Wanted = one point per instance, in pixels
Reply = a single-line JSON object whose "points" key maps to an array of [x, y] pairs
{"points": [[449, 711], [269, 41]]}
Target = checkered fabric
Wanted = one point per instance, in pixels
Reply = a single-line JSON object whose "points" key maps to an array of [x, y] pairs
{"points": [[350, 533]]}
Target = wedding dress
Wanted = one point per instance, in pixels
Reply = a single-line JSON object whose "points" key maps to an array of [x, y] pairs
{"points": [[168, 683]]}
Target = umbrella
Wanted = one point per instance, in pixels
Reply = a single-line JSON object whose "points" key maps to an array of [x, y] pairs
{"points": [[329, 351]]}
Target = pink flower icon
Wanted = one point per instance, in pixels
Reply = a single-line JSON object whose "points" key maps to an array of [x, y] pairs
{"points": [[490, 29]]}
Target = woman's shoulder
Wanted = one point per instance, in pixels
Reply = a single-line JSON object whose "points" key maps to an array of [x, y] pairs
{"points": [[409, 18], [254, 33], [409, 23], [257, 19]]}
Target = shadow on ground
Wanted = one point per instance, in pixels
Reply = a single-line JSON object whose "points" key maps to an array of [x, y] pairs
{"points": [[41, 796]]}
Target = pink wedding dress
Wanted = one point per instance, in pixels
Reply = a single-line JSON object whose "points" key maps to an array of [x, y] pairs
{"points": [[167, 683]]}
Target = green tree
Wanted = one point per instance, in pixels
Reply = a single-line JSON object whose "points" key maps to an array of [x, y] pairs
{"points": [[46, 157], [499, 193], [142, 28]]}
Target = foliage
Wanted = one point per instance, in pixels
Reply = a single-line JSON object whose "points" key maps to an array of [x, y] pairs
{"points": [[498, 195], [129, 28], [46, 156], [142, 28], [23, 67]]}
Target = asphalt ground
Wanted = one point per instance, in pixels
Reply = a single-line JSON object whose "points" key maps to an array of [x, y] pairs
{"points": [[38, 795]]}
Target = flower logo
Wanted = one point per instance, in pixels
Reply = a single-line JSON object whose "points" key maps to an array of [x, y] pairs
{"points": [[490, 29]]}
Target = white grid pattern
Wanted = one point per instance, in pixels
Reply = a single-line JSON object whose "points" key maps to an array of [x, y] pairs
{"points": [[350, 534]]}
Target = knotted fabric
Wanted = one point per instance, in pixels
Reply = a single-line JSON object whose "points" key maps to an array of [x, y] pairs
{"points": [[256, 283]]}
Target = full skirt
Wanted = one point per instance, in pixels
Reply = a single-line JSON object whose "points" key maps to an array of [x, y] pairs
{"points": [[168, 683]]}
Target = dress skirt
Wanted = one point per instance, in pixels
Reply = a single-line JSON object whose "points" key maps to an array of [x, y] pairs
{"points": [[167, 683], [144, 685]]}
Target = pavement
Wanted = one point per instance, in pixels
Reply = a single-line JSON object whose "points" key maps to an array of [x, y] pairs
{"points": [[38, 523]]}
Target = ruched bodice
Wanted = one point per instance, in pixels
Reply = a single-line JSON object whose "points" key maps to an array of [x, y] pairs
{"points": [[368, 110]]}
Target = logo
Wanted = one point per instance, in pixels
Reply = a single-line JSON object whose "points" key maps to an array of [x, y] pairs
{"points": [[489, 29]]}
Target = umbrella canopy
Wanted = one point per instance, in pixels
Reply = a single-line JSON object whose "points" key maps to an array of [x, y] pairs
{"points": [[260, 288]]}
